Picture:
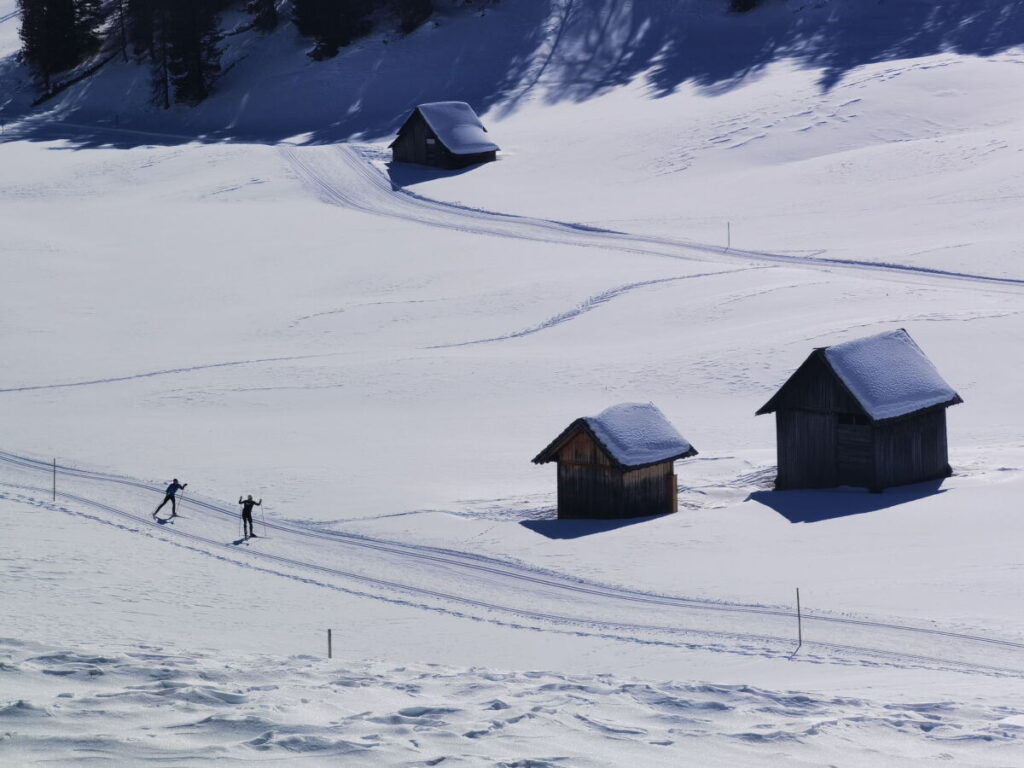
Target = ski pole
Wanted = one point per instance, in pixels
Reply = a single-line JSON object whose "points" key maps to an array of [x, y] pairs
{"points": [[263, 517]]}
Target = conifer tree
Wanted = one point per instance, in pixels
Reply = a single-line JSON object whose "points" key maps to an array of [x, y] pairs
{"points": [[159, 51], [88, 18], [331, 23], [193, 54], [55, 35], [139, 15]]}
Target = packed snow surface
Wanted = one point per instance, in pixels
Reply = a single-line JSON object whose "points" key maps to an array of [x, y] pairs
{"points": [[889, 375], [148, 705], [457, 126], [637, 433]]}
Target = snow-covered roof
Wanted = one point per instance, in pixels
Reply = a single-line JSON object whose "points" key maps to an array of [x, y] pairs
{"points": [[889, 375], [457, 127], [632, 434]]}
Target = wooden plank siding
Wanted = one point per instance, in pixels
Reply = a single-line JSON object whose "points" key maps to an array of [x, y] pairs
{"points": [[591, 486], [815, 387], [855, 455], [806, 444], [912, 450], [649, 491]]}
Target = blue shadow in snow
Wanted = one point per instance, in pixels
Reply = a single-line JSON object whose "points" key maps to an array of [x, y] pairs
{"points": [[576, 529], [815, 506], [408, 174], [510, 54]]}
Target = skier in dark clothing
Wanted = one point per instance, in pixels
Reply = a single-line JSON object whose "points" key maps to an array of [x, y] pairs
{"points": [[247, 506], [172, 489]]}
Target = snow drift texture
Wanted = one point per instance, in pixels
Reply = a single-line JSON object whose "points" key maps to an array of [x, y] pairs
{"points": [[637, 434], [458, 127], [889, 375]]}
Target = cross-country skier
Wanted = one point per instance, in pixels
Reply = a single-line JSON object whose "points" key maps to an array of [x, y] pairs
{"points": [[247, 506], [172, 489]]}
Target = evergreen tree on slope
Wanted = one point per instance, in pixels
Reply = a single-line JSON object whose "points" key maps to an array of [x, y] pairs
{"points": [[193, 54], [331, 23], [56, 35]]}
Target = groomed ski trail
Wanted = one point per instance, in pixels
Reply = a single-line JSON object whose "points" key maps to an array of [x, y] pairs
{"points": [[508, 593], [341, 175]]}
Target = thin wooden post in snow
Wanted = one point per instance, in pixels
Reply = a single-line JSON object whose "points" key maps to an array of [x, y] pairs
{"points": [[329, 644], [799, 621]]}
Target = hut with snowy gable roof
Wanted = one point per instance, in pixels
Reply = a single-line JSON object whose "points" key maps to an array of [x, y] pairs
{"points": [[869, 412], [446, 134], [617, 464]]}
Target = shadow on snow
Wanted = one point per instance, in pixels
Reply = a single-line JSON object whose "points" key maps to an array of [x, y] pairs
{"points": [[815, 506], [496, 59], [575, 529], [408, 174]]}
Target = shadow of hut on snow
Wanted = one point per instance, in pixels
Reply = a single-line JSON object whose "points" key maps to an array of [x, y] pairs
{"points": [[815, 506]]}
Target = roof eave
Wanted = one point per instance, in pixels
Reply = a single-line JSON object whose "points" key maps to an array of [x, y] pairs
{"points": [[630, 467], [548, 454], [955, 400], [770, 406]]}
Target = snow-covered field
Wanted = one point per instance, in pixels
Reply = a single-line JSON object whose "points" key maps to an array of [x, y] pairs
{"points": [[379, 352]]}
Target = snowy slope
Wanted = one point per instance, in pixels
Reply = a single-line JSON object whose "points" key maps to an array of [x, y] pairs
{"points": [[379, 351]]}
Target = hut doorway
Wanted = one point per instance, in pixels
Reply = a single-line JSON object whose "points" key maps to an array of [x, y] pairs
{"points": [[854, 454]]}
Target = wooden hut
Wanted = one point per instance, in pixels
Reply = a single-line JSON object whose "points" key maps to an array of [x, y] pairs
{"points": [[446, 134], [617, 464], [869, 412]]}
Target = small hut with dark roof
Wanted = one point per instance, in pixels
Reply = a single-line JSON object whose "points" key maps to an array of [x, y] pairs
{"points": [[869, 412], [617, 464], [446, 134]]}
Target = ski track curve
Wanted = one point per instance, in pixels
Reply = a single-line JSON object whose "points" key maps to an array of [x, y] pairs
{"points": [[164, 372], [341, 175], [490, 570], [587, 305]]}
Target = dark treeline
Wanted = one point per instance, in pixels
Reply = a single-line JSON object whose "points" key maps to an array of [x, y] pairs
{"points": [[180, 40]]}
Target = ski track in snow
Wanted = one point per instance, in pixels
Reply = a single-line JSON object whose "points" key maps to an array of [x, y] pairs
{"points": [[518, 592], [341, 175], [165, 372], [586, 306]]}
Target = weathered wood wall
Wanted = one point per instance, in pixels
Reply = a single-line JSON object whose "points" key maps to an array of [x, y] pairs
{"points": [[588, 484], [814, 387], [649, 491], [855, 455], [591, 486], [411, 145], [912, 450], [806, 444]]}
